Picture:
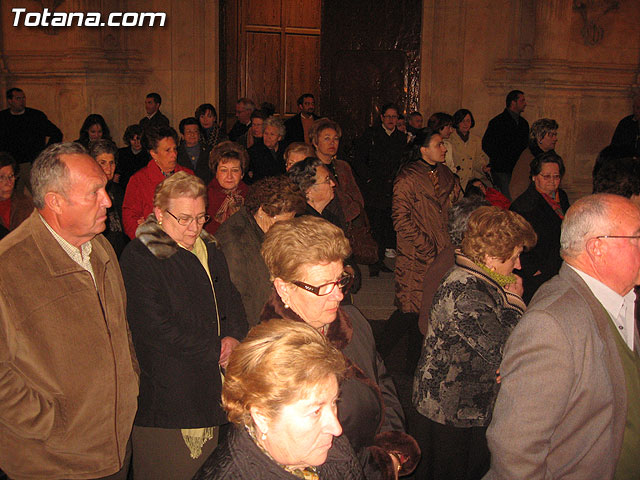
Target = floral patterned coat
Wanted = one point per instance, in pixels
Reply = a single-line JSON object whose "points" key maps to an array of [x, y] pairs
{"points": [[471, 318]]}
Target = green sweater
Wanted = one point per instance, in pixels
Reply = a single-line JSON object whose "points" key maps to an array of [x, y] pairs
{"points": [[628, 467]]}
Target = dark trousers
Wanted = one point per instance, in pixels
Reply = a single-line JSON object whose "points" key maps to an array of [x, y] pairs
{"points": [[449, 452], [399, 324], [381, 227]]}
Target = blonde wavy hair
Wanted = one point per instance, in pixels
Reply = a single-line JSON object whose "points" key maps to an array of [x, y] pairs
{"points": [[290, 245], [495, 232], [279, 362]]}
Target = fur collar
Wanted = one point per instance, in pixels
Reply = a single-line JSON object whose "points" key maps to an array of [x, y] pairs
{"points": [[152, 236], [510, 299], [340, 330]]}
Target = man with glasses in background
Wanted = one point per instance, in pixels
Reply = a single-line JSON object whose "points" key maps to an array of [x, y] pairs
{"points": [[569, 401], [378, 154]]}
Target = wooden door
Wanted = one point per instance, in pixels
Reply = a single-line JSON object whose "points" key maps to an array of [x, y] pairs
{"points": [[270, 52]]}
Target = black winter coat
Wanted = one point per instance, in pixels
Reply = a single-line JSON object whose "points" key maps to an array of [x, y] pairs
{"points": [[171, 311], [264, 162], [239, 458], [504, 141], [377, 160], [545, 256]]}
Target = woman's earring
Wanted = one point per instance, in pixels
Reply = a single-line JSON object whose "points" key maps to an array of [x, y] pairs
{"points": [[263, 437]]}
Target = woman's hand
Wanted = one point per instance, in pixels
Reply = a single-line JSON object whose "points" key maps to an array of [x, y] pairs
{"points": [[516, 287], [227, 344], [396, 464]]}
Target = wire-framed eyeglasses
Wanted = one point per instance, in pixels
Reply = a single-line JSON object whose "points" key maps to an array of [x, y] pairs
{"points": [[325, 289], [636, 237], [186, 220]]}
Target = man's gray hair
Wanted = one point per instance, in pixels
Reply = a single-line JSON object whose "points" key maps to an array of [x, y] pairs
{"points": [[589, 217], [49, 173], [459, 214]]}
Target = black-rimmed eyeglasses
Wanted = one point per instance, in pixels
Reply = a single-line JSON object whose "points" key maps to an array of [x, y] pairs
{"points": [[325, 289], [186, 221]]}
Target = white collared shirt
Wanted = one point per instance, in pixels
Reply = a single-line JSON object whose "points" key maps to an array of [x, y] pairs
{"points": [[620, 309], [82, 255], [387, 131]]}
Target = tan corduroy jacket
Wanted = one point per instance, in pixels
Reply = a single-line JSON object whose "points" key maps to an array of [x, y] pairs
{"points": [[68, 381]]}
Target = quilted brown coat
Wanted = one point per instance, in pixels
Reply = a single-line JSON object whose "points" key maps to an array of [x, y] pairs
{"points": [[420, 220]]}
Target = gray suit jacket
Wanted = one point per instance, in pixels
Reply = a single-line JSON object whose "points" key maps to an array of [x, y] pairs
{"points": [[562, 405]]}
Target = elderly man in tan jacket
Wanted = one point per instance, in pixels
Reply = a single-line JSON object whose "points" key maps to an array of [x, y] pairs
{"points": [[68, 381], [569, 400]]}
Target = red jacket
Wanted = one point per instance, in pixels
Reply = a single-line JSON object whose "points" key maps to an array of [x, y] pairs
{"points": [[138, 199]]}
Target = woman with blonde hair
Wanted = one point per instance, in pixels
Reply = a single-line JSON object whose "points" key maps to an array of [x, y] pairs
{"points": [[281, 393], [305, 257], [475, 308]]}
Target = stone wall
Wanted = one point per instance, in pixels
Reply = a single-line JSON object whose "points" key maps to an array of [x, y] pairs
{"points": [[72, 72], [578, 61], [577, 65]]}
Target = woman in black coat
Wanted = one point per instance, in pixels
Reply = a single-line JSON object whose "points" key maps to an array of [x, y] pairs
{"points": [[185, 317], [543, 205]]}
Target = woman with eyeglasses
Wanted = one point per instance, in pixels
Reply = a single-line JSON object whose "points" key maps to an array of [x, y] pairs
{"points": [[15, 207], [543, 205], [185, 317], [315, 180], [305, 257]]}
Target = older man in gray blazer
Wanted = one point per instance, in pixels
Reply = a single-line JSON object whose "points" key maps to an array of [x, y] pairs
{"points": [[568, 405]]}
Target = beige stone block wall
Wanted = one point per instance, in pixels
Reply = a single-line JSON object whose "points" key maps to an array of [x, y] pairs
{"points": [[475, 51], [81, 70]]}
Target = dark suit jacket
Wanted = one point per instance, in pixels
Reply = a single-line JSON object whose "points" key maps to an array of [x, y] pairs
{"points": [[562, 405], [158, 120], [295, 130], [545, 256], [504, 140]]}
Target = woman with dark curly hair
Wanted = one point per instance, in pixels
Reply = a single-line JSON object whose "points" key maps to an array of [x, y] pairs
{"points": [[93, 128], [269, 200], [228, 162], [475, 308]]}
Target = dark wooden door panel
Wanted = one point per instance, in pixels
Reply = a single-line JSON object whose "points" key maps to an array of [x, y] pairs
{"points": [[262, 67], [302, 68]]}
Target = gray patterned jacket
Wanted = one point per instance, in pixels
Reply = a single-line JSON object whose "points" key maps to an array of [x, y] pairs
{"points": [[471, 318]]}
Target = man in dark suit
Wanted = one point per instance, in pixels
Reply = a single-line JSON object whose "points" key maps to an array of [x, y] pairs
{"points": [[506, 137], [244, 109], [569, 400], [627, 132], [298, 126], [24, 133], [154, 117], [378, 154]]}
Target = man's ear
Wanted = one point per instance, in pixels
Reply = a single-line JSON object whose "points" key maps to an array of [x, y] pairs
{"points": [[53, 201], [596, 249]]}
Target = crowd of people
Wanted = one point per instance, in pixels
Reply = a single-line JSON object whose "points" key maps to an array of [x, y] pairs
{"points": [[192, 313]]}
